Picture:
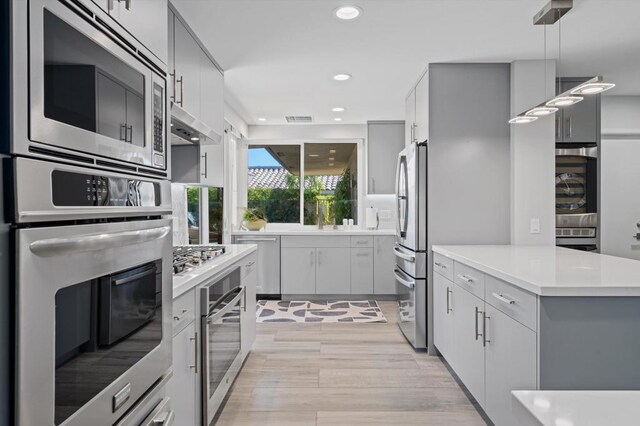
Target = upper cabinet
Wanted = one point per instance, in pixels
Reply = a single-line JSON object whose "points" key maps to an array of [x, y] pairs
{"points": [[385, 139], [417, 112], [579, 123], [146, 20], [198, 84]]}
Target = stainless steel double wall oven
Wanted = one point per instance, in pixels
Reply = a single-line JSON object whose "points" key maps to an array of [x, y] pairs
{"points": [[86, 188]]}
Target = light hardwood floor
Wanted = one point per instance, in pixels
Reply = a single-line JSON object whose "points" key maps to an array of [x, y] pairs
{"points": [[343, 374]]}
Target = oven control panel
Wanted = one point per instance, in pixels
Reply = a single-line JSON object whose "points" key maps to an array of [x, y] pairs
{"points": [[71, 189], [158, 126]]}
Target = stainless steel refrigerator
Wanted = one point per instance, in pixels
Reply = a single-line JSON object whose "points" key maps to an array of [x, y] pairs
{"points": [[453, 188], [411, 243]]}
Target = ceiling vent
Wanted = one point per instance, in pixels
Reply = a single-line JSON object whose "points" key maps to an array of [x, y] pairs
{"points": [[298, 118]]}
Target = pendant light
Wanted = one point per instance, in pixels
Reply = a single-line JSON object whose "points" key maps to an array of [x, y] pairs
{"points": [[550, 14]]}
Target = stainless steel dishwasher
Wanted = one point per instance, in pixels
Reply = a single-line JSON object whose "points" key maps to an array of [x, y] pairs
{"points": [[268, 263]]}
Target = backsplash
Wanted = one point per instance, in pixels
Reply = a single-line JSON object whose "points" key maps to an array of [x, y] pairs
{"points": [[179, 216], [385, 205]]}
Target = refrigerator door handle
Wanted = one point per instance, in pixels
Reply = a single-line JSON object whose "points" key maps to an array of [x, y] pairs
{"points": [[398, 252], [401, 280]]}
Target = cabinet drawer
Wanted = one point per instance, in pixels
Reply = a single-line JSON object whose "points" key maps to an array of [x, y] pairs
{"points": [[468, 278], [184, 311], [515, 302], [443, 265], [363, 241], [248, 265], [294, 241]]}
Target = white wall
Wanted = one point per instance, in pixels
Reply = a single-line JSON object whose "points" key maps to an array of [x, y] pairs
{"points": [[532, 155], [308, 131], [620, 116]]}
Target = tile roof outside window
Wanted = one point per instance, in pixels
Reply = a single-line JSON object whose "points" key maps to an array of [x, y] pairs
{"points": [[274, 177]]}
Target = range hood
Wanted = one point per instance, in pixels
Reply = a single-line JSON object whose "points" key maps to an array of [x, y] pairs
{"points": [[188, 130]]}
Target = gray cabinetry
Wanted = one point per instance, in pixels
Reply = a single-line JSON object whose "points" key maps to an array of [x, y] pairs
{"points": [[211, 95], [201, 164], [298, 270], [384, 281], [579, 123], [187, 58], [468, 342], [362, 271], [443, 309], [249, 274], [510, 364], [143, 19], [410, 118], [385, 139], [421, 129], [268, 262], [333, 270]]}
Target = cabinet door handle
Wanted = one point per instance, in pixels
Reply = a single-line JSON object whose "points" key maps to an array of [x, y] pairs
{"points": [[109, 5], [127, 4], [504, 299], [173, 86], [123, 132], [181, 81], [319, 257], [194, 339], [415, 132], [465, 278], [449, 309], [205, 165], [440, 265], [373, 186], [311, 257], [130, 134], [485, 317], [478, 334], [569, 127]]}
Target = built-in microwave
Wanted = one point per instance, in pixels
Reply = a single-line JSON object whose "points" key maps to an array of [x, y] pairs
{"points": [[93, 95]]}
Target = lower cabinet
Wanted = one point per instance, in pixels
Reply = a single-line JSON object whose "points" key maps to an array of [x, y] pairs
{"points": [[384, 260], [362, 271], [326, 265], [248, 315], [443, 336], [491, 352], [510, 364], [183, 385], [468, 342], [298, 270], [333, 271]]}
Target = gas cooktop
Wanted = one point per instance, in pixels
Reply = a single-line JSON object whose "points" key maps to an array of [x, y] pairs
{"points": [[187, 258]]}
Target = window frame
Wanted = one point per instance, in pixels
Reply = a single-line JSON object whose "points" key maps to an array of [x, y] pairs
{"points": [[301, 143]]}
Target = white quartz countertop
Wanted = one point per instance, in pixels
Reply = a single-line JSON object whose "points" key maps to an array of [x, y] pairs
{"points": [[552, 271], [578, 408], [185, 281], [312, 231]]}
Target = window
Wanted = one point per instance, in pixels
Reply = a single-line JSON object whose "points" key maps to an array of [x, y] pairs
{"points": [[215, 215], [329, 174], [274, 182], [193, 214]]}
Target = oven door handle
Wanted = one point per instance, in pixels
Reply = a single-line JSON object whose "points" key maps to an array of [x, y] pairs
{"points": [[65, 246]]}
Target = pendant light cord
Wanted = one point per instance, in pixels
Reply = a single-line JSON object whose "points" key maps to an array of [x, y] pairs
{"points": [[559, 53], [545, 61]]}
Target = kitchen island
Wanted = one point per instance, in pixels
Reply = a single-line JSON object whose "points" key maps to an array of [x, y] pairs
{"points": [[536, 318]]}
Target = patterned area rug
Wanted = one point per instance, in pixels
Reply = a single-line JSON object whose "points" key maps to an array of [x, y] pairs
{"points": [[364, 311]]}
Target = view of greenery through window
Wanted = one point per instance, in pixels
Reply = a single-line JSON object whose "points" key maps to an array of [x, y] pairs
{"points": [[330, 184], [193, 214]]}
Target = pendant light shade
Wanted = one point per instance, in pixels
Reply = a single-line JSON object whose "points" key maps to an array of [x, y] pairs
{"points": [[592, 88], [562, 101], [523, 119], [541, 111]]}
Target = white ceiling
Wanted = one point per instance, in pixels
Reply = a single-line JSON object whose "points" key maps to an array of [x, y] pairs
{"points": [[279, 56]]}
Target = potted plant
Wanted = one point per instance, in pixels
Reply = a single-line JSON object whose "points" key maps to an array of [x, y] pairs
{"points": [[253, 220]]}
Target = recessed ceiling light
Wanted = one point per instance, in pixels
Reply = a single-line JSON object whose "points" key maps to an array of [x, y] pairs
{"points": [[342, 77], [331, 164], [331, 158], [332, 151], [523, 119], [195, 139], [347, 13], [262, 119], [337, 109], [314, 155], [564, 101], [592, 88], [542, 111], [338, 119]]}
